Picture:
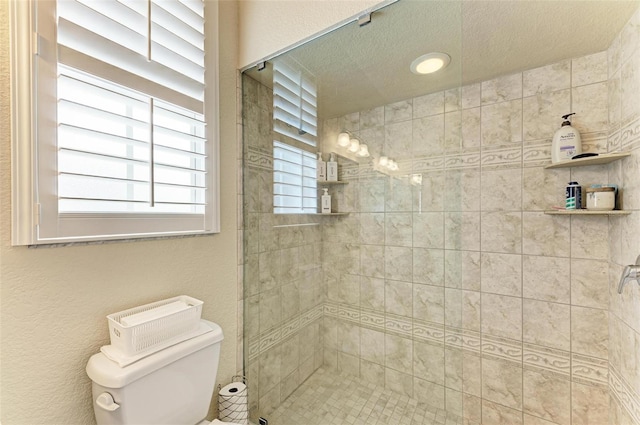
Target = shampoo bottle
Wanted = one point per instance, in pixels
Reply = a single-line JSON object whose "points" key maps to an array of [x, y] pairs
{"points": [[332, 169], [321, 169], [566, 142], [325, 205]]}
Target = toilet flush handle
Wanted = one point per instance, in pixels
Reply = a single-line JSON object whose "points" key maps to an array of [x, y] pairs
{"points": [[106, 401]]}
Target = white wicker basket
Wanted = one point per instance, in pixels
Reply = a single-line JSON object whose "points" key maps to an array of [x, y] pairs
{"points": [[153, 325]]}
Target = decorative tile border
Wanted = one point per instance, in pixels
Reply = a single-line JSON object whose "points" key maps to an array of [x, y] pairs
{"points": [[465, 160], [428, 331], [372, 319], [549, 359], [255, 158], [502, 348], [589, 370], [453, 337], [624, 394], [398, 325], [349, 313], [471, 341], [630, 134], [536, 155], [423, 164], [506, 157]]}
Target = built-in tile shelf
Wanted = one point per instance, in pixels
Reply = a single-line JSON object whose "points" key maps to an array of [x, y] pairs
{"points": [[586, 212], [601, 159], [333, 213], [328, 183]]}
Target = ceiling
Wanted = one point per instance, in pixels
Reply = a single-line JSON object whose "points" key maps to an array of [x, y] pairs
{"points": [[358, 68]]}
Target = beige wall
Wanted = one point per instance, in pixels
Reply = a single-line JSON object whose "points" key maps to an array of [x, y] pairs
{"points": [[54, 300], [269, 26]]}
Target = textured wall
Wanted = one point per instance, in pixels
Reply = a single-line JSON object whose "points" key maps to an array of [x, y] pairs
{"points": [[268, 26], [624, 239], [54, 300], [460, 291]]}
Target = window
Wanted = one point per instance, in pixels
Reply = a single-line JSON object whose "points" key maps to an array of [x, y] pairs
{"points": [[295, 125], [123, 127]]}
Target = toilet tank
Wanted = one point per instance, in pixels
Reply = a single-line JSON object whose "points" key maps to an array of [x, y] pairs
{"points": [[171, 387]]}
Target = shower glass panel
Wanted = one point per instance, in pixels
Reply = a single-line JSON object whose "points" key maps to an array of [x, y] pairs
{"points": [[362, 315]]}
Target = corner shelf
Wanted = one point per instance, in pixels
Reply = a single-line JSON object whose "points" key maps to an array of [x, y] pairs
{"points": [[601, 159], [586, 212], [333, 214], [327, 183]]}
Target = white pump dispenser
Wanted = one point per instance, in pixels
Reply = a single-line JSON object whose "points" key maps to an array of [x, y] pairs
{"points": [[321, 168], [566, 142], [325, 204], [332, 169]]}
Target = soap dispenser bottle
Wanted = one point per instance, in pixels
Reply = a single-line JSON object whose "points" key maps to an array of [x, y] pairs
{"points": [[321, 169], [566, 142], [325, 204], [332, 169]]}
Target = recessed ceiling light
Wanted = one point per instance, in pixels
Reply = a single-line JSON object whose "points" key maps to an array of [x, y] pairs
{"points": [[431, 62]]}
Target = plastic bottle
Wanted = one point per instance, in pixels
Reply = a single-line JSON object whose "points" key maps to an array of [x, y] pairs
{"points": [[566, 142], [332, 169], [321, 169], [325, 205]]}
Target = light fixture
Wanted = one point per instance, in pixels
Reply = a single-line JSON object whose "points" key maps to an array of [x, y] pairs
{"points": [[354, 145], [363, 151], [343, 139], [431, 62], [383, 161]]}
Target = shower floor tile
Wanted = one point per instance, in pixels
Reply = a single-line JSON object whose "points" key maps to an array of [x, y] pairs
{"points": [[329, 398]]}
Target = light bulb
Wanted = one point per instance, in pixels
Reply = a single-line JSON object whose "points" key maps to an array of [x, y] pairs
{"points": [[364, 151], [354, 146], [383, 161], [343, 139]]}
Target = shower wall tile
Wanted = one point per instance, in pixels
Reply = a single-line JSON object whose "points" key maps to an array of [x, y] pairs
{"points": [[501, 274], [543, 112], [589, 69], [471, 96], [502, 124], [428, 303], [589, 331], [502, 383], [502, 89], [496, 414], [371, 118], [590, 105], [462, 269], [452, 100], [546, 278], [428, 230], [399, 111], [547, 324], [430, 104], [501, 190], [502, 316], [428, 266], [428, 135], [545, 235], [547, 396], [546, 79], [502, 232], [471, 129]]}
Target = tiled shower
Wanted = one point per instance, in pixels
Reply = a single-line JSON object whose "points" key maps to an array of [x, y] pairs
{"points": [[455, 288]]}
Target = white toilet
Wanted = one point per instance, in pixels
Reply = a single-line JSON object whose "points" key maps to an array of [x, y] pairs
{"points": [[173, 386]]}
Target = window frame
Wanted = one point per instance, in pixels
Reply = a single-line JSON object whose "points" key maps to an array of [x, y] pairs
{"points": [[34, 158]]}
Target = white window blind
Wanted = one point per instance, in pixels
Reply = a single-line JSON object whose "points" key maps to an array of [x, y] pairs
{"points": [[294, 104], [294, 187], [295, 120], [132, 151]]}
